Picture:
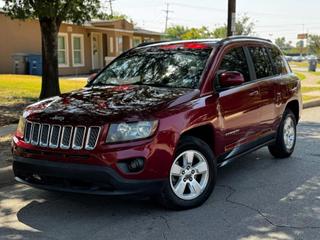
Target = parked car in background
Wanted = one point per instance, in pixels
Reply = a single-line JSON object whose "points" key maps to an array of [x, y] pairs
{"points": [[298, 59], [288, 58], [160, 119], [311, 57]]}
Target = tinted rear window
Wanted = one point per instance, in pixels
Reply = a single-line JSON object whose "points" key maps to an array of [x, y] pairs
{"points": [[279, 63], [176, 66], [261, 61]]}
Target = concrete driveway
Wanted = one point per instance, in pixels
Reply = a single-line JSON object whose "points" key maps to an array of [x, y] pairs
{"points": [[257, 197]]}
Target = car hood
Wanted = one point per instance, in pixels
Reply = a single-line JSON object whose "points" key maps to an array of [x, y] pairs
{"points": [[108, 104]]}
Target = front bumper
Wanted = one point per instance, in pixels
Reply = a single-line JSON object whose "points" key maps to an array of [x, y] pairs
{"points": [[80, 178]]}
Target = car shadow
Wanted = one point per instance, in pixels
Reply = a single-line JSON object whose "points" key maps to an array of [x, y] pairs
{"points": [[256, 196]]}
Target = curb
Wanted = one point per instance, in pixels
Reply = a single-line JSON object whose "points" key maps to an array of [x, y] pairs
{"points": [[311, 104]]}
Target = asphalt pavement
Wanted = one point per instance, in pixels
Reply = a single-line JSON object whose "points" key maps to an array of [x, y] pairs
{"points": [[256, 197]]}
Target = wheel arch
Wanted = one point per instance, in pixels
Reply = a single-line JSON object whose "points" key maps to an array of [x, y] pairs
{"points": [[204, 132], [294, 107]]}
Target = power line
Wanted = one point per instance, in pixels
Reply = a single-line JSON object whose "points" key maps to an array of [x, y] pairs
{"points": [[206, 8], [198, 7]]}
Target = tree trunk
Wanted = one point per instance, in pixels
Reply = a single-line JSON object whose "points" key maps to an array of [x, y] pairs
{"points": [[50, 73]]}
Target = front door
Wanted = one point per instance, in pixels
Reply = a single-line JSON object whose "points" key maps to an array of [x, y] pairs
{"points": [[239, 105], [96, 40]]}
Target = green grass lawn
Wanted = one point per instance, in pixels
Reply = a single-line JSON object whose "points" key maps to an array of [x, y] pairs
{"points": [[300, 75], [306, 98], [25, 88], [315, 73], [310, 89], [303, 64]]}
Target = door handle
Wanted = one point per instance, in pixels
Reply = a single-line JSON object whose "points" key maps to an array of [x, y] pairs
{"points": [[254, 93]]}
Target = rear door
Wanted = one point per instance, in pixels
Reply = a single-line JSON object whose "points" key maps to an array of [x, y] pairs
{"points": [[239, 105], [281, 79], [264, 75]]}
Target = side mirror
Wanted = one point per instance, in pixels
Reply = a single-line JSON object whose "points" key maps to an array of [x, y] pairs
{"points": [[231, 78], [91, 77]]}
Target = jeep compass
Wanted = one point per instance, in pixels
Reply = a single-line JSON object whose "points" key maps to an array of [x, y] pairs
{"points": [[160, 119]]}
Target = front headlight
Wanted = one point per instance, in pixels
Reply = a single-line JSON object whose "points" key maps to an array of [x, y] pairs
{"points": [[20, 128], [131, 131]]}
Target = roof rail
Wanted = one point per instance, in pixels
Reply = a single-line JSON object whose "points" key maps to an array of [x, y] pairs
{"points": [[242, 37], [150, 43]]}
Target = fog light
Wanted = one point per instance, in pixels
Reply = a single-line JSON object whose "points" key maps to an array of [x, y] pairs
{"points": [[132, 165], [135, 165]]}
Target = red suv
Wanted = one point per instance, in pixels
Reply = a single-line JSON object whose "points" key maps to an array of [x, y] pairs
{"points": [[160, 119]]}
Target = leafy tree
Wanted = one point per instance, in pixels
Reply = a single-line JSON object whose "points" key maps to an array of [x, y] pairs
{"points": [[283, 44], [244, 26], [314, 44], [51, 13], [300, 44], [183, 33], [115, 16], [176, 32], [220, 32], [197, 33]]}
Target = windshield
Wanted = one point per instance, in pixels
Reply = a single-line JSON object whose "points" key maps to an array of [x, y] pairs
{"points": [[167, 66]]}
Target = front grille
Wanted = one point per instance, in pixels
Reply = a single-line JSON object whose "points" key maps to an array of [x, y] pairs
{"points": [[54, 136], [92, 137], [44, 137], [27, 132], [65, 137], [78, 137], [35, 133]]}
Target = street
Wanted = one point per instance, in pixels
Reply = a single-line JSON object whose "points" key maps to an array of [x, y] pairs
{"points": [[256, 197]]}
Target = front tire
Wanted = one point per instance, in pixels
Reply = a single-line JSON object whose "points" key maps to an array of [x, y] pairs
{"points": [[192, 176], [286, 136]]}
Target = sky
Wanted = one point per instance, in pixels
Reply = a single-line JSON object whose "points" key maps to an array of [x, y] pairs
{"points": [[272, 18]]}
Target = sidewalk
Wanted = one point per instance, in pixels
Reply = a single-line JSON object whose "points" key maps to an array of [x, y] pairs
{"points": [[5, 130]]}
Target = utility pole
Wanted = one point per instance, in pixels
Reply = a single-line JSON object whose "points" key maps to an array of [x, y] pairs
{"points": [[110, 6], [231, 17], [167, 11]]}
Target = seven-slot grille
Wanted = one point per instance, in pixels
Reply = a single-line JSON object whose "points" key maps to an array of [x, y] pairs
{"points": [[65, 137]]}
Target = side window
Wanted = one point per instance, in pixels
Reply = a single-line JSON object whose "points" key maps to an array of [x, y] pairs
{"points": [[261, 61], [235, 60], [278, 60]]}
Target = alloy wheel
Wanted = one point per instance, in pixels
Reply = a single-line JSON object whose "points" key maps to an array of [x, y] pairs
{"points": [[189, 175], [289, 133]]}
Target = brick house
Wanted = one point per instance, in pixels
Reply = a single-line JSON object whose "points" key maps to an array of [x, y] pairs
{"points": [[81, 48]]}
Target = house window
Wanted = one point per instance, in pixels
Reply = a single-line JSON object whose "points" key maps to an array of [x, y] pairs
{"points": [[137, 41], [119, 45], [63, 50], [77, 50]]}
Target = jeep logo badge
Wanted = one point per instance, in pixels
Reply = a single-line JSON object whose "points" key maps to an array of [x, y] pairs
{"points": [[57, 118]]}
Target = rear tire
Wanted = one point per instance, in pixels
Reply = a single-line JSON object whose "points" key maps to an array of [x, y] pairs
{"points": [[192, 176], [286, 136]]}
